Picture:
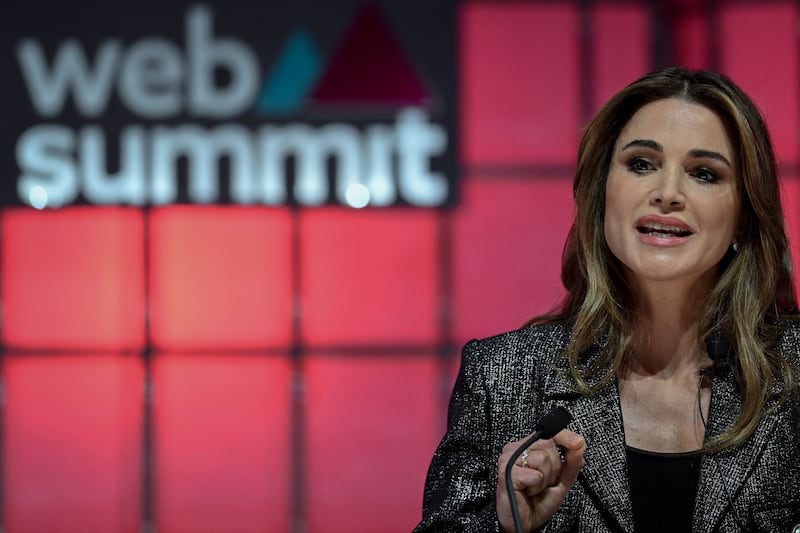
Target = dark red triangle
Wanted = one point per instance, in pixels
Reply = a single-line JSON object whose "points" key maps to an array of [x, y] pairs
{"points": [[369, 67]]}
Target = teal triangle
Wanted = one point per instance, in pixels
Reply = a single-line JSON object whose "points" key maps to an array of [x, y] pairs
{"points": [[292, 76]]}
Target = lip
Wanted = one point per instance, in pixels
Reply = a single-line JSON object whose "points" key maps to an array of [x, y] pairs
{"points": [[663, 241]]}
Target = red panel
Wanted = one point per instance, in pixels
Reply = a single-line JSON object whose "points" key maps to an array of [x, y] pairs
{"points": [[519, 82], [222, 443], [790, 189], [73, 278], [621, 50], [221, 277], [508, 241], [372, 430], [72, 443], [369, 276], [759, 51]]}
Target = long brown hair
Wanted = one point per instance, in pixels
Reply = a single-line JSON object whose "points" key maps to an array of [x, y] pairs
{"points": [[754, 292]]}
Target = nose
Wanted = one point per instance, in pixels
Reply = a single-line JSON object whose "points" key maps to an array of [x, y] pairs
{"points": [[667, 191]]}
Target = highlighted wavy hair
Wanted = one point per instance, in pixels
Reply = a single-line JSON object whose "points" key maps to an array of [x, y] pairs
{"points": [[754, 293]]}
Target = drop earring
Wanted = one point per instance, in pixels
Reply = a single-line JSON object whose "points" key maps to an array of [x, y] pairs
{"points": [[735, 246]]}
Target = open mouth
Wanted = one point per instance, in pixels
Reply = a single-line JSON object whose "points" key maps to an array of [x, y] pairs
{"points": [[663, 230]]}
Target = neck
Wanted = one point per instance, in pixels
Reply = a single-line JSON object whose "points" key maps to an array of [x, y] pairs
{"points": [[666, 335]]}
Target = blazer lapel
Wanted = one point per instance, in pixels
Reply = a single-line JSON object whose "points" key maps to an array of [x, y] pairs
{"points": [[722, 474], [599, 419]]}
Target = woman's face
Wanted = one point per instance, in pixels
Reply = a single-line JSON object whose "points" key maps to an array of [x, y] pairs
{"points": [[672, 200]]}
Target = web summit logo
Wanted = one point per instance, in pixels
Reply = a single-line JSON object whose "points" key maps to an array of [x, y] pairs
{"points": [[186, 129]]}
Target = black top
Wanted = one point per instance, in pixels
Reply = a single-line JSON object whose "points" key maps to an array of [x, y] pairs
{"points": [[663, 489]]}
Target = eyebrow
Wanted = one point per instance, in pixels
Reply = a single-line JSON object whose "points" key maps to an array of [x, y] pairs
{"points": [[697, 152]]}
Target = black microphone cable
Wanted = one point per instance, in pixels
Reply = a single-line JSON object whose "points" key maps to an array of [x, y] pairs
{"points": [[550, 424]]}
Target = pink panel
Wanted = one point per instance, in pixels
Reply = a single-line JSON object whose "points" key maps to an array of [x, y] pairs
{"points": [[519, 82], [72, 443], [759, 52], [507, 245], [221, 277], [372, 430], [222, 443], [622, 47], [73, 279], [369, 276]]}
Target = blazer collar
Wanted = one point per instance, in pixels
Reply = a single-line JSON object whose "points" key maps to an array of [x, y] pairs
{"points": [[723, 474], [599, 419]]}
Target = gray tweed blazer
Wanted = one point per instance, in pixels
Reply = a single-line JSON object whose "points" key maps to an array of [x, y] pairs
{"points": [[507, 382]]}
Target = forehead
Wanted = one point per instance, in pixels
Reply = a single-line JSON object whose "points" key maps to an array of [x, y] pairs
{"points": [[678, 124]]}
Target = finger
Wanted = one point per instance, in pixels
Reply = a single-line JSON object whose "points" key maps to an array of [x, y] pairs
{"points": [[522, 460], [508, 450], [541, 456], [569, 439], [511, 448], [553, 462], [528, 480], [554, 494], [575, 445], [546, 460]]}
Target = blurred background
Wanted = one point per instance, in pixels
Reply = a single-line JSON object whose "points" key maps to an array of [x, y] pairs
{"points": [[242, 244]]}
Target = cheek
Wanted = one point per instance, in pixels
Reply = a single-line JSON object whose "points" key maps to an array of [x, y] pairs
{"points": [[727, 223]]}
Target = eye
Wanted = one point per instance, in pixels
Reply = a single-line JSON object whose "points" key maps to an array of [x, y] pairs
{"points": [[705, 175], [640, 165]]}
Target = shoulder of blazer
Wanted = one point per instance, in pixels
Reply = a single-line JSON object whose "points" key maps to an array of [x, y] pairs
{"points": [[517, 359], [789, 341], [542, 342]]}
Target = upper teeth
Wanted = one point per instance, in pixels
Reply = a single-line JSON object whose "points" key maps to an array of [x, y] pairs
{"points": [[663, 227]]}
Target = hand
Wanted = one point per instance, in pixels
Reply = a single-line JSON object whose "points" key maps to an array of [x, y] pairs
{"points": [[541, 487]]}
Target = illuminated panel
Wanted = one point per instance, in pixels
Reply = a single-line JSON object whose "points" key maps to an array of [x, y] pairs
{"points": [[369, 276], [221, 426], [790, 198], [508, 239], [621, 48], [372, 428], [519, 82], [221, 277], [759, 52], [73, 279], [72, 443]]}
